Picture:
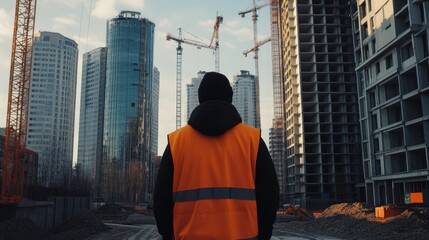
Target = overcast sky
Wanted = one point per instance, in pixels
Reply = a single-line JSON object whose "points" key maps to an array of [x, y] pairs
{"points": [[85, 22]]}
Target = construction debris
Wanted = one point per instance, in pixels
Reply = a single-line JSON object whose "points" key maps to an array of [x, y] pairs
{"points": [[357, 221]]}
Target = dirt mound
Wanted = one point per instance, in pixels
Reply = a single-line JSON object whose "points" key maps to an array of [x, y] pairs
{"points": [[23, 229], [357, 221], [80, 226], [356, 210]]}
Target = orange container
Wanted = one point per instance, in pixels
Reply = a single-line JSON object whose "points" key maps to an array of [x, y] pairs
{"points": [[416, 197], [384, 212]]}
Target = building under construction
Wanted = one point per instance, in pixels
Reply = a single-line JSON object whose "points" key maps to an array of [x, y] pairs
{"points": [[276, 134], [323, 157], [391, 52]]}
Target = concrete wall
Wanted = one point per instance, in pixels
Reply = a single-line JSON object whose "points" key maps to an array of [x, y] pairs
{"points": [[49, 215]]}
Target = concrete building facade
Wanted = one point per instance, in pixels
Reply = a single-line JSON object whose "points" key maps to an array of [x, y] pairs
{"points": [[392, 70], [90, 144], [52, 105], [323, 156], [244, 98]]}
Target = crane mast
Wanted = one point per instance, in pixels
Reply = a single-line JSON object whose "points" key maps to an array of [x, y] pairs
{"points": [[254, 10], [214, 45], [18, 101]]}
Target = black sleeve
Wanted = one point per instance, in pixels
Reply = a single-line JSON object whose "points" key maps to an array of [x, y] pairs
{"points": [[267, 192], [163, 196]]}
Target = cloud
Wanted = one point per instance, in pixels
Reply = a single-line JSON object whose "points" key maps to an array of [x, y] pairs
{"points": [[64, 3], [135, 4], [90, 43], [61, 22], [106, 9], [206, 23], [236, 29], [6, 25], [164, 23], [228, 44]]}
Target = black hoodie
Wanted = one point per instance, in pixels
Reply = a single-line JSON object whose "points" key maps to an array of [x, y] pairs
{"points": [[213, 118]]}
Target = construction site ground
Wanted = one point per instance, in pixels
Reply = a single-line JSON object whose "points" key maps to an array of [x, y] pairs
{"points": [[340, 221]]}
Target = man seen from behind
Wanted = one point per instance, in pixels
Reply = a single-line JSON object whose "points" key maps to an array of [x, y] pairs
{"points": [[216, 179]]}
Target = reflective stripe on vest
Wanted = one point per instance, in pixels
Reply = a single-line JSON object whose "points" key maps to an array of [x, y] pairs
{"points": [[214, 193], [214, 183]]}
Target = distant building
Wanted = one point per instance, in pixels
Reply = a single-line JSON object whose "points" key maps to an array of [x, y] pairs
{"points": [[192, 94], [90, 145], [52, 105], [154, 128], [322, 140], [155, 111], [392, 68], [30, 164], [128, 114], [244, 98]]}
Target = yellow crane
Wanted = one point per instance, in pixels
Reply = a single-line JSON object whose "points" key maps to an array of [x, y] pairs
{"points": [[214, 45]]}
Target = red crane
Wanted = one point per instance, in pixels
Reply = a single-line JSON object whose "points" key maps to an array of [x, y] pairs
{"points": [[18, 101]]}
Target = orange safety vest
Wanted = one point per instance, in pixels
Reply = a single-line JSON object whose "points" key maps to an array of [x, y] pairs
{"points": [[214, 183]]}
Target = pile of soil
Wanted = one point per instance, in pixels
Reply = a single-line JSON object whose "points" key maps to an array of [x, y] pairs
{"points": [[112, 212], [23, 229], [83, 220], [356, 210], [356, 221]]}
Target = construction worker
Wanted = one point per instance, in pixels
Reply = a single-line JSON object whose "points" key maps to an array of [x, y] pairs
{"points": [[216, 179]]}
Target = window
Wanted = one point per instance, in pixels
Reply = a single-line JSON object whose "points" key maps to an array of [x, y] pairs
{"points": [[389, 61], [374, 122], [377, 68], [372, 100], [362, 10], [364, 30], [407, 51]]}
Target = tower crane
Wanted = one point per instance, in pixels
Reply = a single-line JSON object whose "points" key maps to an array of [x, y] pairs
{"points": [[18, 101], [257, 45], [255, 49], [214, 45]]}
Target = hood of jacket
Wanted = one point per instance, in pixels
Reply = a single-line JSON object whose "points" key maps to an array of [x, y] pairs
{"points": [[213, 118]]}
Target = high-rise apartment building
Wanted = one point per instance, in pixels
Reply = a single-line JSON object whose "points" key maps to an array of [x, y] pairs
{"points": [[52, 105], [155, 111], [128, 114], [244, 97], [323, 156], [154, 129], [392, 69], [192, 93], [90, 151]]}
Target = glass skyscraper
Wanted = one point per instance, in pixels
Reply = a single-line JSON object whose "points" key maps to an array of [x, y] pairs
{"points": [[92, 112], [127, 117]]}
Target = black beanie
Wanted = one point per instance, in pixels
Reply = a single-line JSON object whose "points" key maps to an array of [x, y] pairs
{"points": [[215, 86]]}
